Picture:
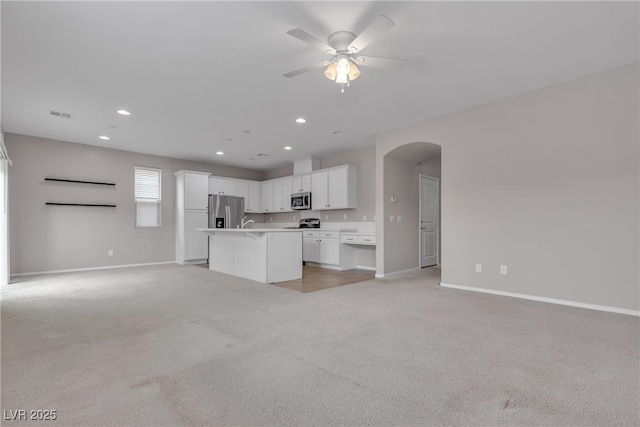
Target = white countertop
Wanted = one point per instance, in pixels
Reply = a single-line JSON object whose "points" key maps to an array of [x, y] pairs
{"points": [[250, 230], [361, 233]]}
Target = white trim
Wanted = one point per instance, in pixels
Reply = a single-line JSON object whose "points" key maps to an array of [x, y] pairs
{"points": [[72, 270], [327, 266], [396, 273], [364, 267], [545, 299]]}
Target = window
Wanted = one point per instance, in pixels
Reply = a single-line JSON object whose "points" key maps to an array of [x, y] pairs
{"points": [[148, 190]]}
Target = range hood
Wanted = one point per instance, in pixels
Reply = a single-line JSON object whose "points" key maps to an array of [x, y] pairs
{"points": [[306, 165]]}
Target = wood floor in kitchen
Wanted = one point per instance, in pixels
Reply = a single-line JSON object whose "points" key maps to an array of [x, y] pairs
{"points": [[317, 279]]}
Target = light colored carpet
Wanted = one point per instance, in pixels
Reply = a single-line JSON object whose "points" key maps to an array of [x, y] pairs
{"points": [[172, 345]]}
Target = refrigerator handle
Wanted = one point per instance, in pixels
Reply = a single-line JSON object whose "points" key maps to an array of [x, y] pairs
{"points": [[228, 215]]}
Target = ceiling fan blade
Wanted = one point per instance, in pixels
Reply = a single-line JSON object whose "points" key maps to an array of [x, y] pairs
{"points": [[308, 38], [305, 69], [388, 63], [378, 27]]}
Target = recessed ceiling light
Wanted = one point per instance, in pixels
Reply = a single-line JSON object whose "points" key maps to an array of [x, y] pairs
{"points": [[246, 131], [124, 112], [219, 153], [228, 139], [300, 120], [288, 148], [337, 132], [106, 138]]}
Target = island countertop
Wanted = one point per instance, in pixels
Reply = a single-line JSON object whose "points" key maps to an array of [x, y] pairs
{"points": [[262, 254], [250, 230]]}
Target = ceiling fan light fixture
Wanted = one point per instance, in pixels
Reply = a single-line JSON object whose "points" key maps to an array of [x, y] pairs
{"points": [[354, 72], [331, 72], [343, 69]]}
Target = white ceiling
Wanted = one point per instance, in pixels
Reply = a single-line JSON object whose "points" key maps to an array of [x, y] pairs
{"points": [[196, 74]]}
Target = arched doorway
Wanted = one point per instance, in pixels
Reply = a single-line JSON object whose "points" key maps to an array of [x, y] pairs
{"points": [[399, 205]]}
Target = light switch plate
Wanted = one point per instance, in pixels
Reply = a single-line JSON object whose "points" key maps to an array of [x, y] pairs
{"points": [[503, 269], [478, 268]]}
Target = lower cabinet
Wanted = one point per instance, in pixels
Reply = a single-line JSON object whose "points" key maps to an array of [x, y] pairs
{"points": [[196, 247], [324, 248], [311, 249]]}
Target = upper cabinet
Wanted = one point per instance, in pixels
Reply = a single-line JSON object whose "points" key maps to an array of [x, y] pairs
{"points": [[253, 204], [225, 186], [194, 188], [282, 194], [276, 195], [266, 196], [300, 183], [250, 191], [334, 188]]}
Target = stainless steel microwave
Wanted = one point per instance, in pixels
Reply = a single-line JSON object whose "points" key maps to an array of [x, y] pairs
{"points": [[301, 201]]}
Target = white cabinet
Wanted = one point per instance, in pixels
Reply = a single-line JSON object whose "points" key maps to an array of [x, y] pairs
{"points": [[250, 192], [301, 183], [334, 188], [192, 198], [282, 194], [195, 191], [329, 250], [324, 248], [359, 239], [266, 196], [310, 248], [242, 187], [226, 186], [253, 206], [195, 241]]}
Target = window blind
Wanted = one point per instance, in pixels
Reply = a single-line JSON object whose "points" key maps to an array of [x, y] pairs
{"points": [[148, 183]]}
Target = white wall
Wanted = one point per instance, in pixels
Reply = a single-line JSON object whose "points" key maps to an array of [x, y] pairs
{"points": [[546, 182], [4, 216], [49, 238]]}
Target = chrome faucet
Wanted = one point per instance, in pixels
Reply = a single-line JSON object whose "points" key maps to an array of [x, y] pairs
{"points": [[244, 223]]}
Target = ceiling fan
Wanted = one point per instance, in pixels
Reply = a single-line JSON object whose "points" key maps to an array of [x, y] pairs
{"points": [[344, 46]]}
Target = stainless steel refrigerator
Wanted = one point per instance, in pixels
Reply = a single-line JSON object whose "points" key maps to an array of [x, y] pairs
{"points": [[225, 211]]}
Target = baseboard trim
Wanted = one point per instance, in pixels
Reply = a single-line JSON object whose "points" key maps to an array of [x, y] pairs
{"points": [[327, 266], [108, 267], [545, 299], [364, 267], [396, 273]]}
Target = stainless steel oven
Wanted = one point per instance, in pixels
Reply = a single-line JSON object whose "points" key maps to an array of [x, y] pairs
{"points": [[301, 201]]}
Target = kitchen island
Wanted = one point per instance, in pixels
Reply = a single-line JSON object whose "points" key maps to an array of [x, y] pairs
{"points": [[267, 255]]}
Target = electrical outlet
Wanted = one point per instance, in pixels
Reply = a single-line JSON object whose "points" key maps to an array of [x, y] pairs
{"points": [[271, 218], [374, 218], [364, 217], [110, 252], [399, 218], [392, 218], [326, 217], [503, 269], [345, 216], [478, 268]]}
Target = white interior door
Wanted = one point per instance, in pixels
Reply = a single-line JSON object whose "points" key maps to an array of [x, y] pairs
{"points": [[428, 221]]}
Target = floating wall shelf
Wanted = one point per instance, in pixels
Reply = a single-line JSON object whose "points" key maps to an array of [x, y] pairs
{"points": [[80, 182], [80, 204]]}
